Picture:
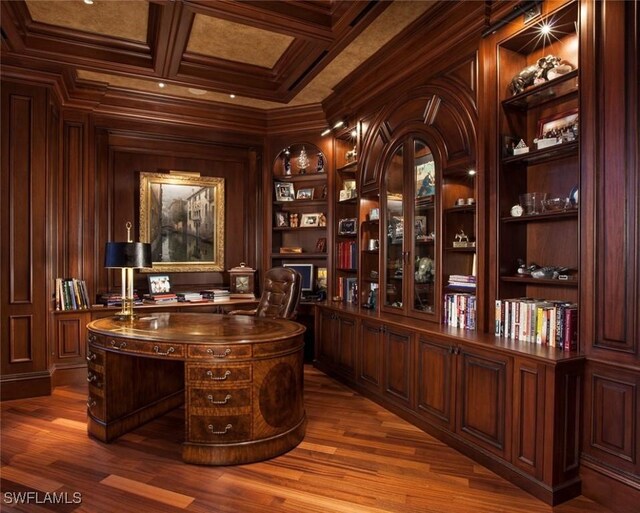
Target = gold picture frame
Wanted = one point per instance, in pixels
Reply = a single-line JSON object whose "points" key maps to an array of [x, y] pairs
{"points": [[182, 217]]}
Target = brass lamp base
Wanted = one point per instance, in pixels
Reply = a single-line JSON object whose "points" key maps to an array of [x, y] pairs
{"points": [[127, 313]]}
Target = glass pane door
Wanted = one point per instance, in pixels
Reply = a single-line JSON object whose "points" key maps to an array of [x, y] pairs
{"points": [[424, 228], [394, 253]]}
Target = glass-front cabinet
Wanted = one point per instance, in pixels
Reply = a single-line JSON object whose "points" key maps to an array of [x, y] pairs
{"points": [[410, 203]]}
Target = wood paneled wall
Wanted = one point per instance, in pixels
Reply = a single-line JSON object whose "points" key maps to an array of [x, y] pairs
{"points": [[23, 248]]}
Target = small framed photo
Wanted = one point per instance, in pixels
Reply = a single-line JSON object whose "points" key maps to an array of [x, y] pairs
{"points": [[345, 195], [284, 191], [159, 284], [282, 219], [374, 214], [321, 245], [349, 185], [305, 194], [563, 125], [309, 220], [348, 226]]}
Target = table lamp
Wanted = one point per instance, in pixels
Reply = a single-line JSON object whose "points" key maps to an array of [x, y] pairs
{"points": [[127, 256]]}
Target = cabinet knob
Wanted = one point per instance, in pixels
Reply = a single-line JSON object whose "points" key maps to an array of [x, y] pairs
{"points": [[92, 337], [91, 402], [91, 356]]}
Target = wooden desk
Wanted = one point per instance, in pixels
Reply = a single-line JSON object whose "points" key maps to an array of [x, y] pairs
{"points": [[240, 378]]}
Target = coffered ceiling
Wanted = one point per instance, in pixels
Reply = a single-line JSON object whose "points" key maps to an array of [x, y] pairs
{"points": [[267, 53]]}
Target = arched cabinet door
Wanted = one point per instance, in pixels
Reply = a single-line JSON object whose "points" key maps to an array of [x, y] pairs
{"points": [[410, 204]]}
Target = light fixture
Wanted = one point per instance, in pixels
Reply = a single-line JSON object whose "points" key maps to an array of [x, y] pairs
{"points": [[88, 2], [545, 29], [354, 133], [161, 85], [471, 172], [326, 132], [232, 96], [127, 256], [338, 124]]}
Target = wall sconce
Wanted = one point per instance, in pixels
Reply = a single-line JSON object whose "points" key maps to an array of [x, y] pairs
{"points": [[127, 256]]}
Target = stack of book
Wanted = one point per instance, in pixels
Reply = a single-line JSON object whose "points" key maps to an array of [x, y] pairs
{"points": [[115, 299], [462, 282], [191, 297], [71, 294], [460, 310], [216, 294], [347, 255], [160, 299], [538, 321]]}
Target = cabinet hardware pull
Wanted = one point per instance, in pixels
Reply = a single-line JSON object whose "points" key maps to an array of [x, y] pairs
{"points": [[90, 403], [451, 350], [218, 378], [226, 353], [457, 350], [227, 428], [91, 356], [156, 350], [226, 399], [91, 377], [122, 345], [92, 338]]}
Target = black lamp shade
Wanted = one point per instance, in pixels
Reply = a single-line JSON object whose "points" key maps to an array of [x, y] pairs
{"points": [[127, 254]]}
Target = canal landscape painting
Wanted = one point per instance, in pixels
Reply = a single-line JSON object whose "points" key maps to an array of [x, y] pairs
{"points": [[182, 217]]}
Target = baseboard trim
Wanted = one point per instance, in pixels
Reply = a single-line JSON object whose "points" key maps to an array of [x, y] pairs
{"points": [[617, 491], [22, 386]]}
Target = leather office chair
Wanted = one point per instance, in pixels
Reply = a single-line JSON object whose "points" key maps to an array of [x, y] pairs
{"points": [[280, 296]]}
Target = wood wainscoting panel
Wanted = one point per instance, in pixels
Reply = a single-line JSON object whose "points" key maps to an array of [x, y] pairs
{"points": [[23, 243]]}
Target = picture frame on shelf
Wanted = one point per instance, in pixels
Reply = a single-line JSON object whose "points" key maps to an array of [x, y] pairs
{"points": [[420, 227], [305, 193], [310, 220], [426, 179], [284, 191], [321, 245], [374, 214], [282, 219], [349, 185], [290, 249], [563, 125], [348, 226], [396, 228]]}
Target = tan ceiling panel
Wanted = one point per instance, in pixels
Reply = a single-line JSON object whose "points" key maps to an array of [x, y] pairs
{"points": [[151, 86], [384, 28], [122, 19], [236, 42]]}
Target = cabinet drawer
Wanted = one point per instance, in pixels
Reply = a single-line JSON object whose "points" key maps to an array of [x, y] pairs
{"points": [[168, 350], [220, 398], [219, 429], [96, 381], [219, 352], [95, 357], [95, 406], [220, 373]]}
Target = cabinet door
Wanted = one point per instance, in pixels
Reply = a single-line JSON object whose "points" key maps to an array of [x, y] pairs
{"points": [[70, 337], [528, 416], [398, 365], [346, 345], [436, 382], [370, 355], [327, 333], [483, 399]]}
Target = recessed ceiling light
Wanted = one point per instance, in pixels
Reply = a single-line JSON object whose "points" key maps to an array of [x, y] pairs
{"points": [[197, 92], [338, 124], [353, 133], [326, 132], [88, 2], [545, 29], [232, 96], [161, 85], [472, 172]]}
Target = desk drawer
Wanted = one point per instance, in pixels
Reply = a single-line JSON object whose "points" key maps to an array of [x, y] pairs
{"points": [[220, 374], [95, 406], [221, 352], [96, 381], [220, 398], [95, 357], [219, 429], [162, 349]]}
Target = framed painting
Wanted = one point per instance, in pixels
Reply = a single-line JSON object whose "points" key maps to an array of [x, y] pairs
{"points": [[182, 217]]}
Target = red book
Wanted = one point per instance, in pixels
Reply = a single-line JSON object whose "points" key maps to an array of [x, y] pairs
{"points": [[571, 328]]}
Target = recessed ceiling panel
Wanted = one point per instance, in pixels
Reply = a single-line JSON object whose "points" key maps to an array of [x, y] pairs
{"points": [[121, 19], [223, 39]]}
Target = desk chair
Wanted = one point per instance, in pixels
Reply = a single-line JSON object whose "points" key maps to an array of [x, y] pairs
{"points": [[280, 296]]}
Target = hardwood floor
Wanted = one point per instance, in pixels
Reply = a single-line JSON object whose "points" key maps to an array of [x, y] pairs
{"points": [[356, 457]]}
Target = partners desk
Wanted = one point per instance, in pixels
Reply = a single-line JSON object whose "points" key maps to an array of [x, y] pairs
{"points": [[240, 378]]}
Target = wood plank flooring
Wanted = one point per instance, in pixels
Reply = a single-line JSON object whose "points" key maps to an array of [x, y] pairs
{"points": [[356, 458]]}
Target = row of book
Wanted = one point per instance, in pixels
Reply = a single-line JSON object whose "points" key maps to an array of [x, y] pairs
{"points": [[537, 321], [460, 310], [347, 255], [71, 294], [348, 289]]}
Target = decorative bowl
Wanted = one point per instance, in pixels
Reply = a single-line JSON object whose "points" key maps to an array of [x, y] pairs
{"points": [[554, 204]]}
